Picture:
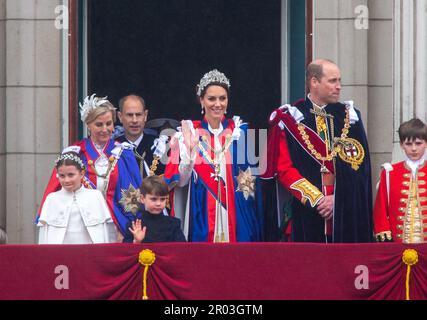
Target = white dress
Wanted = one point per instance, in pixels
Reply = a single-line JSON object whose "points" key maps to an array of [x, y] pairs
{"points": [[80, 217]]}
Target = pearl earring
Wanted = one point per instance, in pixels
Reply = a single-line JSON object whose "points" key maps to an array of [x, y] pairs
{"points": [[203, 110]]}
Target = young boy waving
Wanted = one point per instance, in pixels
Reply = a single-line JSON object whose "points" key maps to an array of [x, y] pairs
{"points": [[151, 224]]}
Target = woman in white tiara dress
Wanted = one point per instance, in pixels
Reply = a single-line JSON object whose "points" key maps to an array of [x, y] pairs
{"points": [[110, 166], [223, 203], [74, 214]]}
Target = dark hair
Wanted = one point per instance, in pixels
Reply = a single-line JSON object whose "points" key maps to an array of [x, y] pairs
{"points": [[154, 185], [131, 96], [220, 84], [64, 160], [411, 130]]}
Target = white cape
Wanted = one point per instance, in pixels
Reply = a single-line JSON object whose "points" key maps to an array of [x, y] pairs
{"points": [[55, 215]]}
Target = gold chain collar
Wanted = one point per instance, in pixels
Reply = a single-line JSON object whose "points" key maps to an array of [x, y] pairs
{"points": [[336, 148], [219, 153], [220, 237], [107, 173]]}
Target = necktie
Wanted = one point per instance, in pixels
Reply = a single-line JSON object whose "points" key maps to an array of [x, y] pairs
{"points": [[140, 159]]}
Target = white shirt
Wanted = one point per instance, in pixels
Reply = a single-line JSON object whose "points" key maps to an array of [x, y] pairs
{"points": [[414, 165], [137, 141]]}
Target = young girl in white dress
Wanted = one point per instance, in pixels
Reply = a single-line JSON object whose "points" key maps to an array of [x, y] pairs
{"points": [[74, 214]]}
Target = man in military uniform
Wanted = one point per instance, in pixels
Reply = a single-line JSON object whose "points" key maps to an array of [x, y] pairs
{"points": [[318, 151]]}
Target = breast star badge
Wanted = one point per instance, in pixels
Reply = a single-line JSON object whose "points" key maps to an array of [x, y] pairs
{"points": [[130, 199], [246, 183]]}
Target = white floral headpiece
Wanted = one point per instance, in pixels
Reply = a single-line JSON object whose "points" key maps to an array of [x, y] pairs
{"points": [[211, 77], [89, 104], [72, 157]]}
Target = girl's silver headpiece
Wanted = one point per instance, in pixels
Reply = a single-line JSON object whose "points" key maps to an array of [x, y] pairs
{"points": [[72, 157]]}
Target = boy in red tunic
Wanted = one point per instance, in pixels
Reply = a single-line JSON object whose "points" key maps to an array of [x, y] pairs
{"points": [[400, 211]]}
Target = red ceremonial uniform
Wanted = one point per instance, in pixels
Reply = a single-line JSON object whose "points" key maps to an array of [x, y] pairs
{"points": [[400, 211], [288, 175], [315, 152]]}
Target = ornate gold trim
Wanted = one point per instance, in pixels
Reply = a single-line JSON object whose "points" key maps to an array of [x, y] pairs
{"points": [[308, 192], [346, 153], [109, 169], [154, 165], [217, 154], [337, 147]]}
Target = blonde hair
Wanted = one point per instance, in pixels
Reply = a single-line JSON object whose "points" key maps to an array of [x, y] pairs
{"points": [[102, 109]]}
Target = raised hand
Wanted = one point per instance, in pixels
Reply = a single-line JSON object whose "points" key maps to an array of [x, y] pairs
{"points": [[137, 231], [190, 139]]}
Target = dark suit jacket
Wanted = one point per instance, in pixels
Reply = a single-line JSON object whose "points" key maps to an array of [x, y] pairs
{"points": [[145, 146], [160, 228]]}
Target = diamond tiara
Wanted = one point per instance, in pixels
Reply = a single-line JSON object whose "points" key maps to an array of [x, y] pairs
{"points": [[212, 77], [89, 104], [72, 157]]}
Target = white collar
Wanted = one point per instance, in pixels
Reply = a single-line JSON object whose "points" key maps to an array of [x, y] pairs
{"points": [[350, 104], [414, 165], [137, 141], [321, 107], [78, 191], [216, 132]]}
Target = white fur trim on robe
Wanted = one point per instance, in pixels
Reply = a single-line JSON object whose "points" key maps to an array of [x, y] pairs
{"points": [[55, 215]]}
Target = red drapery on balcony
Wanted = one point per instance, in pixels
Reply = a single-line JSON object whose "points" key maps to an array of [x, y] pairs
{"points": [[256, 271]]}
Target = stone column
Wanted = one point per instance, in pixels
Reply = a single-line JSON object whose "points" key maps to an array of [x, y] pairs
{"points": [[380, 84], [2, 115], [33, 104], [337, 38], [410, 72], [364, 54]]}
